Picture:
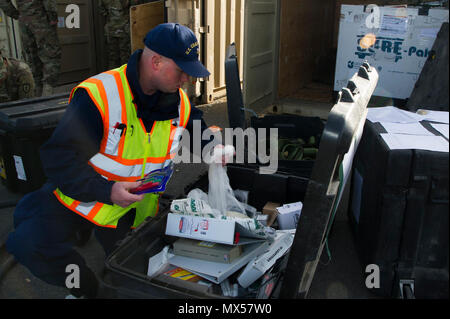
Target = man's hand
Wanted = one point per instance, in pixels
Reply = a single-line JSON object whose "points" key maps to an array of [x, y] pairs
{"points": [[121, 196]]}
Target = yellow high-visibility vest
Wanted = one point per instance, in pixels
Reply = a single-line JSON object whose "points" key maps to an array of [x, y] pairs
{"points": [[127, 151]]}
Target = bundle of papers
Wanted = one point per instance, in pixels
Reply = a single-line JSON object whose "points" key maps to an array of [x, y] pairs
{"points": [[216, 271], [404, 130], [393, 114]]}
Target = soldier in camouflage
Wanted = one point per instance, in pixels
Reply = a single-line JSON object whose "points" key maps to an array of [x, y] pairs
{"points": [[38, 25], [16, 80], [117, 29]]}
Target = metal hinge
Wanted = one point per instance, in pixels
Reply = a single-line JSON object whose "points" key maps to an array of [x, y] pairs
{"points": [[204, 29]]}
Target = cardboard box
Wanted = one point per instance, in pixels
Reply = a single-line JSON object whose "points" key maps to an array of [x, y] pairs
{"points": [[288, 215], [206, 250], [260, 264], [402, 40], [270, 209], [223, 230]]}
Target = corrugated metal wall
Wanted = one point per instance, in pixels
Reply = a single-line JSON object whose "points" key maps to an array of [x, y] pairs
{"points": [[188, 13], [216, 24], [224, 22]]}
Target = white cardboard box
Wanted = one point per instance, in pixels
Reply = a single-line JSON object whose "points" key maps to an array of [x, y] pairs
{"points": [[210, 229], [404, 40], [261, 263], [288, 215]]}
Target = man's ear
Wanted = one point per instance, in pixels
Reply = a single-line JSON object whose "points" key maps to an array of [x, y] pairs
{"points": [[156, 62]]}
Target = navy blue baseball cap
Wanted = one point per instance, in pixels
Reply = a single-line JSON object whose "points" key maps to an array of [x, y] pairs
{"points": [[178, 43]]}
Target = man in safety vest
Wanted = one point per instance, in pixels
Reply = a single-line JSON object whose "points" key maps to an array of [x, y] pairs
{"points": [[119, 125]]}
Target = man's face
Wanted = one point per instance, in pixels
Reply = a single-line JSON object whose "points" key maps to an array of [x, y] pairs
{"points": [[170, 76]]}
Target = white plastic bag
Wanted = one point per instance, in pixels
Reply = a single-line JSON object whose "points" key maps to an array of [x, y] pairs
{"points": [[241, 195], [220, 194], [198, 194]]}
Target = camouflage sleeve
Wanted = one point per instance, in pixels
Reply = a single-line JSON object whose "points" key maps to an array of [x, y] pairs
{"points": [[51, 9], [101, 8], [9, 9], [24, 81], [115, 11]]}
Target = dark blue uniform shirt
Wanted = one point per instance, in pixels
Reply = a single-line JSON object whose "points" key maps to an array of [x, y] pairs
{"points": [[78, 136]]}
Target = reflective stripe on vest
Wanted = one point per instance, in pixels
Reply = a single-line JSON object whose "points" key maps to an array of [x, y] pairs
{"points": [[128, 153], [115, 110]]}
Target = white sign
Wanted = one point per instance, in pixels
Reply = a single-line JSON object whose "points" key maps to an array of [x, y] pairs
{"points": [[396, 42]]}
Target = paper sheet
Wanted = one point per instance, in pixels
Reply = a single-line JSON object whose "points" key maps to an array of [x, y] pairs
{"points": [[406, 128], [393, 26], [436, 116], [429, 33], [441, 128], [391, 114], [420, 142]]}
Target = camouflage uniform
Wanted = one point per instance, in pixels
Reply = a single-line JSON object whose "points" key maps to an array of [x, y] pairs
{"points": [[16, 80], [117, 29], [38, 25]]}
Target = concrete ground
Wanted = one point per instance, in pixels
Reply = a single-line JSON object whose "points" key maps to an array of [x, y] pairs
{"points": [[340, 277]]}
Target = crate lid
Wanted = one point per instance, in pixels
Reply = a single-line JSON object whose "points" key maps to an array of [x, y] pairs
{"points": [[330, 172], [235, 102], [31, 114], [338, 144]]}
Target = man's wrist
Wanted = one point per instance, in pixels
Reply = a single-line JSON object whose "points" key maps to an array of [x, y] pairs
{"points": [[103, 194]]}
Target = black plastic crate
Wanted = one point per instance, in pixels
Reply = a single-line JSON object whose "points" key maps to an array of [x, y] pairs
{"points": [[290, 127], [126, 267], [24, 126], [399, 214]]}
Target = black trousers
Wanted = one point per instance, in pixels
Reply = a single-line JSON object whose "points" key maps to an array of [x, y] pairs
{"points": [[43, 240]]}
